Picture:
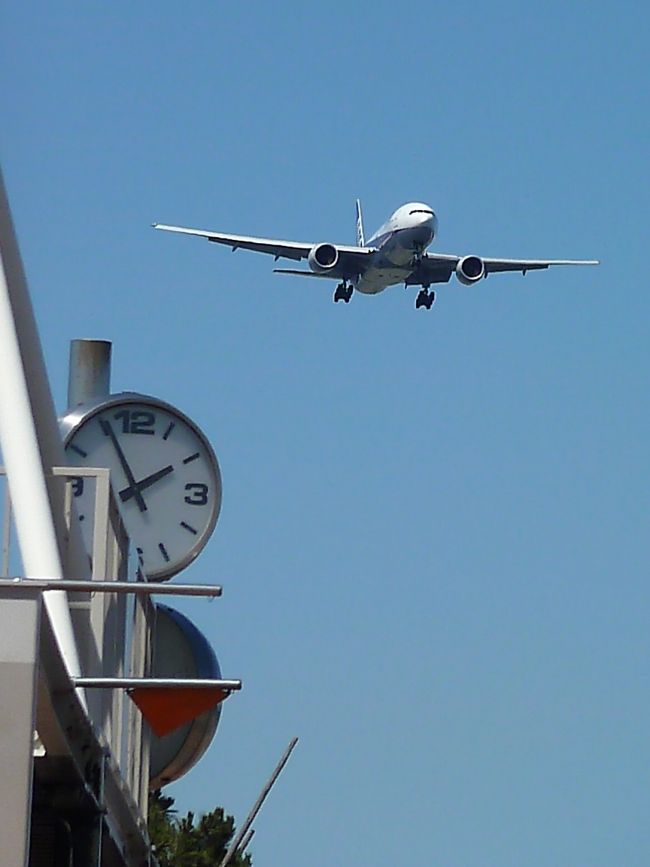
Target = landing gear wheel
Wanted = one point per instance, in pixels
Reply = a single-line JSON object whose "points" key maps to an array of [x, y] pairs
{"points": [[343, 293], [425, 299]]}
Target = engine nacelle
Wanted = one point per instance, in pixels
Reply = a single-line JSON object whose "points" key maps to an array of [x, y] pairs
{"points": [[470, 269], [322, 258]]}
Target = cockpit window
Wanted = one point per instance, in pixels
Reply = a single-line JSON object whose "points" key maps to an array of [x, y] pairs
{"points": [[421, 211]]}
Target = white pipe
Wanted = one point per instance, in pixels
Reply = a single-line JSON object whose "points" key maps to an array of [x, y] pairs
{"points": [[20, 446]]}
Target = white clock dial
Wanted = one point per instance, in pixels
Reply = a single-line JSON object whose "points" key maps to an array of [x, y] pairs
{"points": [[164, 475]]}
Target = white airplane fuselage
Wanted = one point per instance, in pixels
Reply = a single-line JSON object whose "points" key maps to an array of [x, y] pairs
{"points": [[401, 240]]}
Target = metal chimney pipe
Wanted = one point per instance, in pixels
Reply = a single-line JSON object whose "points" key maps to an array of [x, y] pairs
{"points": [[89, 375]]}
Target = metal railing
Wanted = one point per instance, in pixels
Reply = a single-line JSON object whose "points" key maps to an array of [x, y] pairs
{"points": [[114, 630]]}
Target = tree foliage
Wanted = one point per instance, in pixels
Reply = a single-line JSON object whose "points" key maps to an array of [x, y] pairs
{"points": [[184, 842]]}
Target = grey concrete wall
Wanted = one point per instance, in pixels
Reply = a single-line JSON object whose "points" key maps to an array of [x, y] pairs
{"points": [[19, 629]]}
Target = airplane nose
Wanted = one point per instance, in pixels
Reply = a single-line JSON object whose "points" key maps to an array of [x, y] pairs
{"points": [[423, 234], [432, 224], [423, 225], [428, 221]]}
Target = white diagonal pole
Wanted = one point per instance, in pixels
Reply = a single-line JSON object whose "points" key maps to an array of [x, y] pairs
{"points": [[246, 842], [29, 433]]}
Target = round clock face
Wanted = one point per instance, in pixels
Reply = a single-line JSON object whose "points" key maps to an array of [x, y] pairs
{"points": [[164, 475]]}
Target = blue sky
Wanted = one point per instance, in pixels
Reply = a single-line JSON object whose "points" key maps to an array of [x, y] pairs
{"points": [[433, 540]]}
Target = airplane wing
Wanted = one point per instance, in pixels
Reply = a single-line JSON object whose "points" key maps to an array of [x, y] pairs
{"points": [[350, 258], [302, 273], [438, 268], [523, 265]]}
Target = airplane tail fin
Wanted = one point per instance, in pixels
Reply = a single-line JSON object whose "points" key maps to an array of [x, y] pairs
{"points": [[361, 242]]}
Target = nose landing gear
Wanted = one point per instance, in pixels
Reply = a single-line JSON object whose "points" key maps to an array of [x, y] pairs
{"points": [[343, 292], [418, 255], [425, 299]]}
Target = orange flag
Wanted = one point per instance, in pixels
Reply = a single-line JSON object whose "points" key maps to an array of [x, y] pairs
{"points": [[166, 708]]}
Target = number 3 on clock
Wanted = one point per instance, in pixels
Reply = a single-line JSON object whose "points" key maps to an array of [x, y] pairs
{"points": [[199, 495]]}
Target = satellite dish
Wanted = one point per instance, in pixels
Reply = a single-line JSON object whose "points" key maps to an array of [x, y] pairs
{"points": [[181, 650]]}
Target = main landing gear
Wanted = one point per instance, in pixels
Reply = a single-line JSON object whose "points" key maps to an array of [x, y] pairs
{"points": [[425, 299], [343, 292]]}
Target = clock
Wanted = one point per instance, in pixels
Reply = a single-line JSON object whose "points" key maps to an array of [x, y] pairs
{"points": [[163, 471]]}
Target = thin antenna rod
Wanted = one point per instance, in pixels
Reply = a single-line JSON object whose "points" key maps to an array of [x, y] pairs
{"points": [[247, 841], [258, 804]]}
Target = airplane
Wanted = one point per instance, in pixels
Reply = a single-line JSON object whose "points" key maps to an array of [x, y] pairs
{"points": [[396, 253]]}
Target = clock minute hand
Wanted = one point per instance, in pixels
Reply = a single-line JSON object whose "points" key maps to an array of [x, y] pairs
{"points": [[137, 487], [109, 432]]}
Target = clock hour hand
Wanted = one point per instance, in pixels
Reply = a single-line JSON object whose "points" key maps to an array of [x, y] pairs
{"points": [[109, 432], [137, 487]]}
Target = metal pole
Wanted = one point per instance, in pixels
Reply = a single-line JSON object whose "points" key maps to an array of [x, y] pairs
{"points": [[137, 588], [258, 804], [25, 403], [89, 375], [156, 683], [246, 842]]}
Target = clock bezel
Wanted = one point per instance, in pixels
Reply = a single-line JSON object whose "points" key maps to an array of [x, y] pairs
{"points": [[80, 415]]}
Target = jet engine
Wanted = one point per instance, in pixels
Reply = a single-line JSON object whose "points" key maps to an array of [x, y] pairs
{"points": [[470, 269], [322, 258]]}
